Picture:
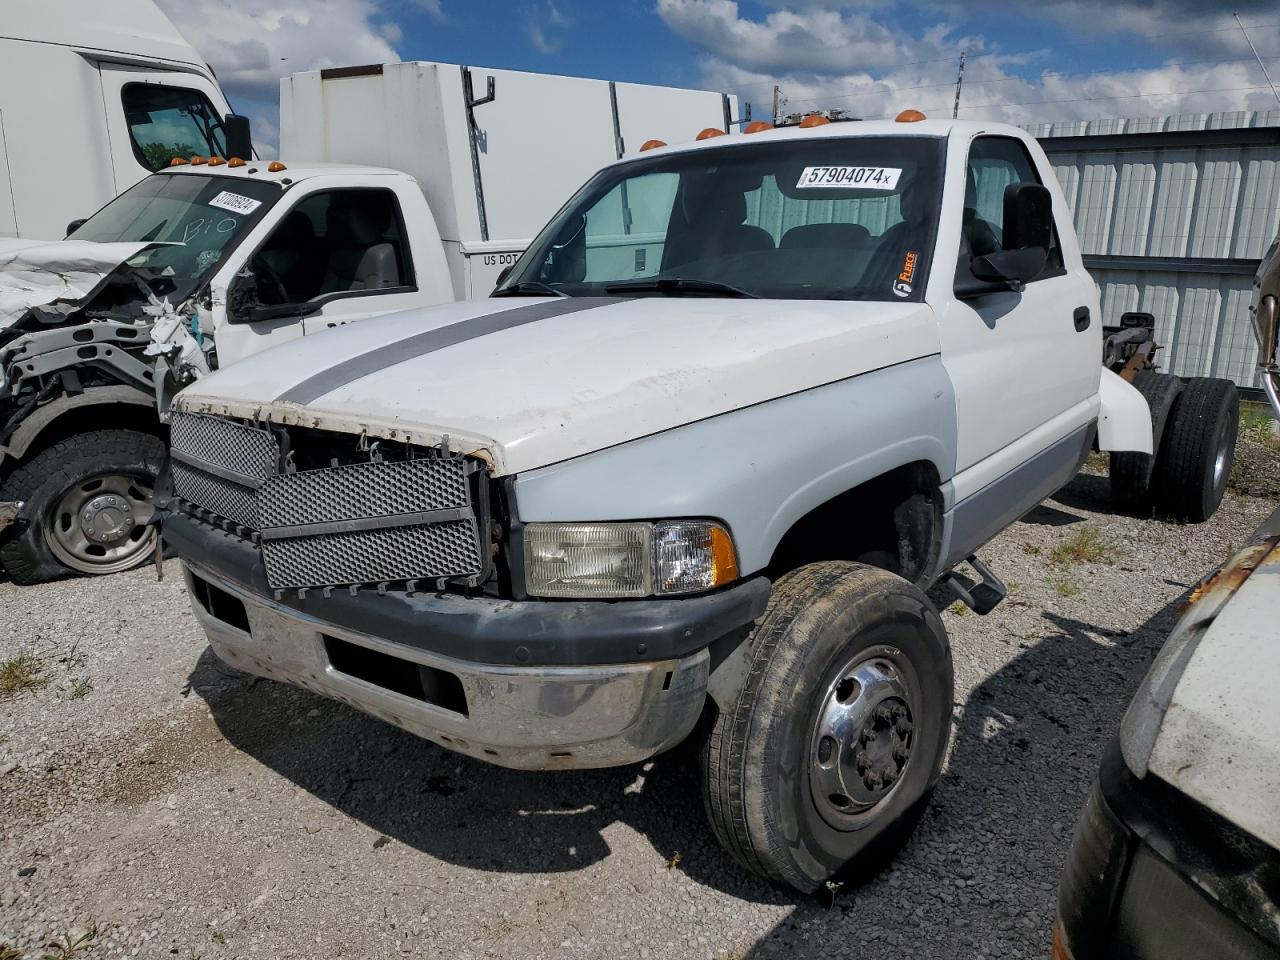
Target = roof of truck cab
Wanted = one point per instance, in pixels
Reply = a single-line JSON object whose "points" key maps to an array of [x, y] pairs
{"points": [[257, 170], [838, 129]]}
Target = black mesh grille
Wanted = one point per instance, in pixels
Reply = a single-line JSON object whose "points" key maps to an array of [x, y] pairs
{"points": [[427, 552], [363, 490], [250, 451], [232, 501]]}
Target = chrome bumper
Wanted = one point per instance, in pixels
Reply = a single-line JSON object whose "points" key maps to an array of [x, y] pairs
{"points": [[531, 718]]}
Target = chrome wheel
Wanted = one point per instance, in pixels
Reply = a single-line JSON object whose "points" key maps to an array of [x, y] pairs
{"points": [[100, 525], [864, 736]]}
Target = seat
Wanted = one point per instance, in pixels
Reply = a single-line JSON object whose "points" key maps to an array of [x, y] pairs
{"points": [[359, 259], [715, 229], [826, 236]]}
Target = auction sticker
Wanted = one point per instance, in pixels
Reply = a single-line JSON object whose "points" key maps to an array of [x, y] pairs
{"points": [[227, 200], [868, 178]]}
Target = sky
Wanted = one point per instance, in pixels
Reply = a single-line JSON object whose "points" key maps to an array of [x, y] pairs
{"points": [[1026, 60]]}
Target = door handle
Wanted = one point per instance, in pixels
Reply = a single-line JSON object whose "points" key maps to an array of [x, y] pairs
{"points": [[1081, 318]]}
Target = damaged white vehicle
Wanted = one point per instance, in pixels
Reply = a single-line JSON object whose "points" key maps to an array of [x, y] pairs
{"points": [[191, 269], [739, 404]]}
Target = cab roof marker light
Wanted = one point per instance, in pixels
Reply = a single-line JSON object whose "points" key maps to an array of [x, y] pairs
{"points": [[216, 161], [275, 166], [710, 132], [909, 116], [235, 162], [179, 162], [756, 126], [814, 120], [197, 160], [652, 145]]}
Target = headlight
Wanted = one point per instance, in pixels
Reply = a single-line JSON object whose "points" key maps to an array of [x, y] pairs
{"points": [[612, 560]]}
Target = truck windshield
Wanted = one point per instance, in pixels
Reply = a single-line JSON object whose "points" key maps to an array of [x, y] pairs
{"points": [[199, 219], [832, 218]]}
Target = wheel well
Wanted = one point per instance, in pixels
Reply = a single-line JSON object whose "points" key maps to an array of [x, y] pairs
{"points": [[893, 521], [96, 416]]}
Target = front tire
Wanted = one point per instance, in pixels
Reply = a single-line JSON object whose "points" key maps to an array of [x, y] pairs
{"points": [[825, 761], [87, 500]]}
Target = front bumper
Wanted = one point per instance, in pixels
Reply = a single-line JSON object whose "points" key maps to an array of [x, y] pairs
{"points": [[530, 717]]}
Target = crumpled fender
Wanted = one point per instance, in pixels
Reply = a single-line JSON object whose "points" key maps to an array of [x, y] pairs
{"points": [[1124, 421]]}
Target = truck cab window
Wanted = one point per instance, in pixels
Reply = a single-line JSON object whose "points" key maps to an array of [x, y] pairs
{"points": [[333, 243], [995, 163], [167, 122]]}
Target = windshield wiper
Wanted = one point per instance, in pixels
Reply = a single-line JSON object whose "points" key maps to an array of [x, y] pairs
{"points": [[677, 285], [528, 288]]}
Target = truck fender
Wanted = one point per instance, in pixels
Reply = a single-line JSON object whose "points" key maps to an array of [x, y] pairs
{"points": [[1124, 421], [31, 427]]}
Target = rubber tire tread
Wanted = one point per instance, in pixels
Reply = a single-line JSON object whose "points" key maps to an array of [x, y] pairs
{"points": [[1205, 406], [724, 790], [1131, 472], [39, 483]]}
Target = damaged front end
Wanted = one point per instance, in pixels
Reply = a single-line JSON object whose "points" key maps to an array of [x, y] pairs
{"points": [[76, 316]]}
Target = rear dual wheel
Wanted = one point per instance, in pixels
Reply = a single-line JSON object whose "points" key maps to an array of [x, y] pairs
{"points": [[1194, 424], [826, 760]]}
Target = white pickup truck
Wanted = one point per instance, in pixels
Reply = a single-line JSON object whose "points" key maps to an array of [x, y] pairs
{"points": [[215, 258], [690, 469]]}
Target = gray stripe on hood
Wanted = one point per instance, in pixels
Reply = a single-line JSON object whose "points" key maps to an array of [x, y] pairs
{"points": [[429, 341]]}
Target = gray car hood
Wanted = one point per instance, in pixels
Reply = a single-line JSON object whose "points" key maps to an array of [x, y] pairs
{"points": [[36, 273]]}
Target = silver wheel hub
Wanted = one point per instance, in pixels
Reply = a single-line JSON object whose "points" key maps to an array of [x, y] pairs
{"points": [[107, 518], [863, 738], [100, 525]]}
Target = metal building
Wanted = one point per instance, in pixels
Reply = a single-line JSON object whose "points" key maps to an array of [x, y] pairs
{"points": [[1173, 215]]}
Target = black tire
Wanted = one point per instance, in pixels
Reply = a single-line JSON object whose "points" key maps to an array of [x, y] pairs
{"points": [[1198, 450], [758, 753], [1130, 472], [43, 482]]}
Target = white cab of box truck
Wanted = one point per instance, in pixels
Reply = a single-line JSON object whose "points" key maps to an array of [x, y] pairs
{"points": [[94, 97], [495, 151], [211, 260]]}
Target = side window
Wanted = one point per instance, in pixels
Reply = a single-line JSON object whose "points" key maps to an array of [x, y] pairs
{"points": [[995, 163], [332, 243], [166, 122]]}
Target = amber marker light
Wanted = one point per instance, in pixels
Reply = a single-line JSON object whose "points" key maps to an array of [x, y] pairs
{"points": [[755, 126], [710, 132], [275, 166], [909, 116], [814, 120], [652, 145]]}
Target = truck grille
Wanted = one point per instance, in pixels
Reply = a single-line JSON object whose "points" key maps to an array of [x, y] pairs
{"points": [[368, 522], [219, 464]]}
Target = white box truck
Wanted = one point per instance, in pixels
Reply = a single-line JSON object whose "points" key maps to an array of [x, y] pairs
{"points": [[93, 97], [213, 259]]}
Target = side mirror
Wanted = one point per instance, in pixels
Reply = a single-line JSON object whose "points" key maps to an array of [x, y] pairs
{"points": [[1028, 217], [239, 140], [75, 225], [1001, 271]]}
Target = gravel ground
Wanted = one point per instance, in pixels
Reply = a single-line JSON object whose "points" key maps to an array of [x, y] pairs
{"points": [[188, 810]]}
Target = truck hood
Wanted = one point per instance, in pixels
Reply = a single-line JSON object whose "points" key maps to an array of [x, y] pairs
{"points": [[532, 381], [1219, 741], [36, 273]]}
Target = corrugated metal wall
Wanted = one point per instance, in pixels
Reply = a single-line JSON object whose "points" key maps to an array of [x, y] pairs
{"points": [[1198, 209]]}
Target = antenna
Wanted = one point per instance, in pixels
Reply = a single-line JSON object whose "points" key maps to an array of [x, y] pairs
{"points": [[1256, 57], [955, 111]]}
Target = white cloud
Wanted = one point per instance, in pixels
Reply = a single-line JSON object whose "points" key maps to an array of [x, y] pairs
{"points": [[824, 57], [543, 24], [252, 43]]}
